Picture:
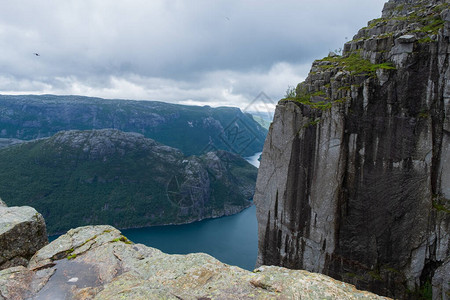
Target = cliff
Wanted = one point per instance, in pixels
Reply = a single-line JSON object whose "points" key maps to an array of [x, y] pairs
{"points": [[194, 130], [98, 262], [354, 180], [107, 176]]}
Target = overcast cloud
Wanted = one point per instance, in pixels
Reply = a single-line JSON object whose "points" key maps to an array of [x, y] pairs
{"points": [[190, 52]]}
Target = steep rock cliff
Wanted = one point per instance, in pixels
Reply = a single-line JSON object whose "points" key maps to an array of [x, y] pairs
{"points": [[354, 179]]}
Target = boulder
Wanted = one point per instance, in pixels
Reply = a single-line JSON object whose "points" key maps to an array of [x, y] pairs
{"points": [[22, 233]]}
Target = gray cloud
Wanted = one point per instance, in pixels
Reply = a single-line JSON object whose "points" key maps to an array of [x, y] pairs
{"points": [[216, 52]]}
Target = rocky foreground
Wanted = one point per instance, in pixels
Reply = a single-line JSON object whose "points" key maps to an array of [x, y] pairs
{"points": [[98, 262]]}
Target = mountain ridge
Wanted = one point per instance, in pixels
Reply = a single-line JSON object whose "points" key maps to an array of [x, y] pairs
{"points": [[108, 176], [192, 129]]}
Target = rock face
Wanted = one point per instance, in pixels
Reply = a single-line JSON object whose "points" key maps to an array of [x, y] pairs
{"points": [[355, 173], [194, 130], [97, 262], [22, 233], [120, 178]]}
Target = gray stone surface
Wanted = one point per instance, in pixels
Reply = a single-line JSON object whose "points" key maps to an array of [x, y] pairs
{"points": [[441, 283], [22, 233], [97, 262], [359, 190]]}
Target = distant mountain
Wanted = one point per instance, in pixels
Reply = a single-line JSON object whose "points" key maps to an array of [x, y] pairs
{"points": [[123, 179], [192, 129], [8, 142], [263, 118], [261, 121]]}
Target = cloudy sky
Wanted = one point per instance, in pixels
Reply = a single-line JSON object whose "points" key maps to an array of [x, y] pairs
{"points": [[190, 52]]}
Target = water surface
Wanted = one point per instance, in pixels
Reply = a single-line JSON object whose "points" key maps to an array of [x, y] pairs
{"points": [[254, 159], [232, 240]]}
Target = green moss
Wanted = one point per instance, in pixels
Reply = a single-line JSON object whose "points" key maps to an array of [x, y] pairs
{"points": [[375, 22], [426, 39], [71, 256], [400, 7], [422, 293], [344, 88], [441, 7], [356, 65], [322, 105], [424, 114], [375, 275], [426, 291], [122, 239], [341, 100], [433, 26], [318, 94], [306, 100], [440, 207], [386, 35], [429, 21], [430, 26], [327, 67], [312, 123]]}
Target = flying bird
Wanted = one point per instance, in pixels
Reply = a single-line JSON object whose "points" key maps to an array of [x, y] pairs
{"points": [[37, 54]]}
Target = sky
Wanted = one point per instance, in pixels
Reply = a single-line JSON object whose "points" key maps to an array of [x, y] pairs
{"points": [[198, 52]]}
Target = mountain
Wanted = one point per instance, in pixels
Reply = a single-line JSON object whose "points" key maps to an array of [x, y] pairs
{"points": [[354, 180], [192, 129], [112, 177]]}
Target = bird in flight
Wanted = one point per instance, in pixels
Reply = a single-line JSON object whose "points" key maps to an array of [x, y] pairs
{"points": [[37, 54]]}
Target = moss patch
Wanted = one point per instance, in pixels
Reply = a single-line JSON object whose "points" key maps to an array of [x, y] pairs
{"points": [[123, 239], [356, 65]]}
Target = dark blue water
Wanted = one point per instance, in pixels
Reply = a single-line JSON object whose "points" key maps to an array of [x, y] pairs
{"points": [[232, 240]]}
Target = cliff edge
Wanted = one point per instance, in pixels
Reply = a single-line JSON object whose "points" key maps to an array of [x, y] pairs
{"points": [[354, 180], [97, 262]]}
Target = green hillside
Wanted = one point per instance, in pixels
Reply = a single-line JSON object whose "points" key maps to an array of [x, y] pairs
{"points": [[123, 179]]}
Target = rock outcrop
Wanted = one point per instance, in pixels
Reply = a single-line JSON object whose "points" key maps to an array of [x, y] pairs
{"points": [[123, 179], [22, 233], [355, 173], [97, 262]]}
